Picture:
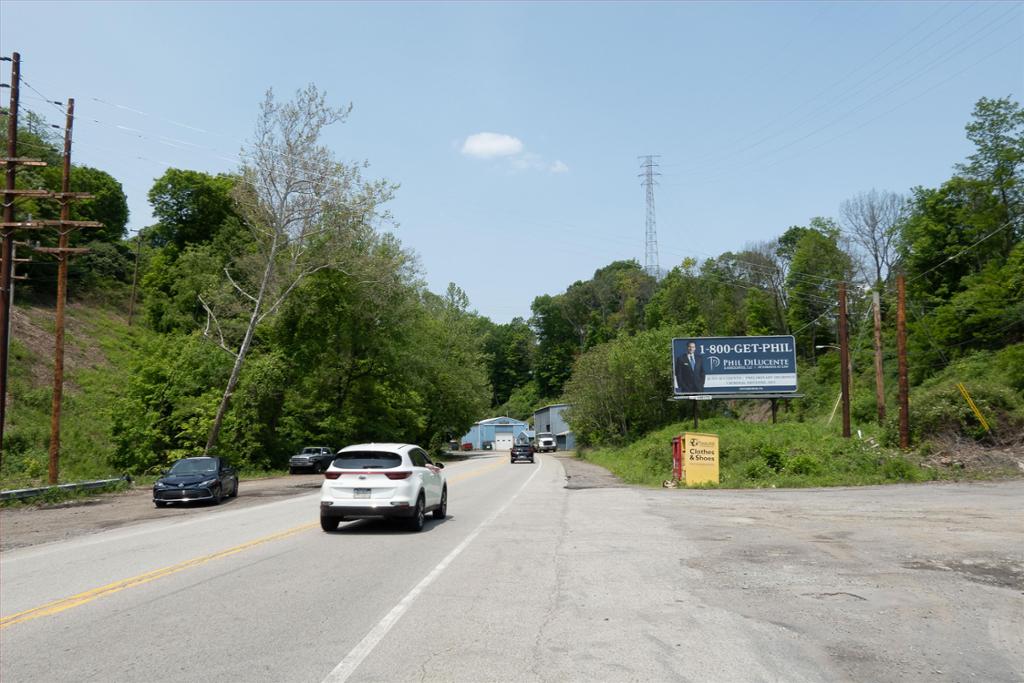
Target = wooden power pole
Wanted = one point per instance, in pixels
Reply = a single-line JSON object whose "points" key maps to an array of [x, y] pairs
{"points": [[876, 303], [7, 262], [901, 353], [135, 276], [63, 252], [844, 359]]}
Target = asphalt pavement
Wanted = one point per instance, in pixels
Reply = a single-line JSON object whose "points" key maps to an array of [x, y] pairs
{"points": [[527, 580]]}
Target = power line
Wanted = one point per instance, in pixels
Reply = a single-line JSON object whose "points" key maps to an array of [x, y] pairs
{"points": [[719, 173], [801, 107]]}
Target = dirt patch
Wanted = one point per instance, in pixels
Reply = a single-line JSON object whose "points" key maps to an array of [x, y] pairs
{"points": [[953, 453], [25, 526], [33, 327], [580, 474]]}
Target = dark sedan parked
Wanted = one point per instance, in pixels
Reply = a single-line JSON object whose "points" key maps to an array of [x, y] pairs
{"points": [[192, 479]]}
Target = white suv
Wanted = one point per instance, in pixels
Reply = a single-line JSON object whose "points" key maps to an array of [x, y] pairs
{"points": [[382, 480]]}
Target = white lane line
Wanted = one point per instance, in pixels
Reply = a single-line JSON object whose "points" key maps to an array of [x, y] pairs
{"points": [[353, 659]]}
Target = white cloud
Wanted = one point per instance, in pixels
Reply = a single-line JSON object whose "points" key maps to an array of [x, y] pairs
{"points": [[510, 148], [488, 145], [559, 167]]}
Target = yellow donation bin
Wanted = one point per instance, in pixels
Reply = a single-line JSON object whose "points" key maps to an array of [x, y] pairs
{"points": [[700, 458]]}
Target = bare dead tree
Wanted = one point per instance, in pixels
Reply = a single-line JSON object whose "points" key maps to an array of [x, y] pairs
{"points": [[871, 220], [305, 211]]}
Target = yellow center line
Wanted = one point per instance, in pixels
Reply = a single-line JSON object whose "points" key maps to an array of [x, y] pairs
{"points": [[90, 595], [482, 470]]}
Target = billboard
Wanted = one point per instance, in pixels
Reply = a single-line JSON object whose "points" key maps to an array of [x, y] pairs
{"points": [[734, 365]]}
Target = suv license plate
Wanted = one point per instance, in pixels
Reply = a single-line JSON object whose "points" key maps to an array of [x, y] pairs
{"points": [[360, 493]]}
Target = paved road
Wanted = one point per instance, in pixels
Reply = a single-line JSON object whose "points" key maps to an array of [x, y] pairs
{"points": [[527, 580]]}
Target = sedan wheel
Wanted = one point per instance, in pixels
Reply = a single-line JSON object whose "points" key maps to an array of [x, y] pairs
{"points": [[442, 510], [219, 495], [234, 491]]}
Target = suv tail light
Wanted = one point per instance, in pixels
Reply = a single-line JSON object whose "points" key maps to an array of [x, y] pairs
{"points": [[398, 475], [332, 475]]}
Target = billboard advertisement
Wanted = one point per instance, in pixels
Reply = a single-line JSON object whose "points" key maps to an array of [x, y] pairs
{"points": [[734, 365]]}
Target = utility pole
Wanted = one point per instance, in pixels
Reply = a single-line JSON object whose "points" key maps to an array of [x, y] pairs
{"points": [[63, 253], [62, 295], [135, 276], [844, 359], [651, 265], [879, 382], [901, 353], [7, 252]]}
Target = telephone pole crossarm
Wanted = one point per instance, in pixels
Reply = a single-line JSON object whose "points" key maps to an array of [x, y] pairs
{"points": [[23, 161], [50, 223], [60, 251]]}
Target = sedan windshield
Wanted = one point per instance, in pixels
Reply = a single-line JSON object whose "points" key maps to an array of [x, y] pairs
{"points": [[194, 466], [367, 460]]}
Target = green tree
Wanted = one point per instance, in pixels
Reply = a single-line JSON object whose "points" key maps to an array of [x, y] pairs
{"points": [[997, 131], [190, 207], [304, 210], [620, 389], [818, 263], [509, 350]]}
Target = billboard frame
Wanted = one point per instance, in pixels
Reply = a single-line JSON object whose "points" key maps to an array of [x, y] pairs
{"points": [[765, 393]]}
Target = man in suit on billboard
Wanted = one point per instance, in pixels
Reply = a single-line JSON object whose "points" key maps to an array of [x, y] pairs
{"points": [[690, 371]]}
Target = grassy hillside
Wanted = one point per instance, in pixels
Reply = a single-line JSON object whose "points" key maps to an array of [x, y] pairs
{"points": [[100, 349]]}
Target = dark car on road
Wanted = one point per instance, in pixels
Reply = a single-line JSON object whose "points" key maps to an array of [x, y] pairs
{"points": [[192, 479], [314, 458], [521, 451]]}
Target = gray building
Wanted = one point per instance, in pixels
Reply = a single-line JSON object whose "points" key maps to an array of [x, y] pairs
{"points": [[550, 419]]}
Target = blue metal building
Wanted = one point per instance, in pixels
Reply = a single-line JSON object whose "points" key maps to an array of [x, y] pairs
{"points": [[550, 419], [500, 432]]}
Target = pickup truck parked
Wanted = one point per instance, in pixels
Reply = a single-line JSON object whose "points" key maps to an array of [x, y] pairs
{"points": [[315, 458]]}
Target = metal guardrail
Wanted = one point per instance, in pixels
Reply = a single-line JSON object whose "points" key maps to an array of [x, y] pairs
{"points": [[15, 494]]}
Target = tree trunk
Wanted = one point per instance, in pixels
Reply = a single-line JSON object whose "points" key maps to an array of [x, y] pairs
{"points": [[242, 351]]}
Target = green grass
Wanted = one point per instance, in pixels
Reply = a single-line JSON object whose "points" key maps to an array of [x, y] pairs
{"points": [[760, 455], [90, 389]]}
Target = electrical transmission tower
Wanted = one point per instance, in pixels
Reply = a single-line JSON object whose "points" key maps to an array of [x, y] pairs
{"points": [[649, 165]]}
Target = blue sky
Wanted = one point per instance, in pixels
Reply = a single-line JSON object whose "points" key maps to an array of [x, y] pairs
{"points": [[764, 114]]}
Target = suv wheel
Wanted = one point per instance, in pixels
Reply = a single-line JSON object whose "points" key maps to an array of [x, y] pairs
{"points": [[442, 510], [329, 523], [419, 517]]}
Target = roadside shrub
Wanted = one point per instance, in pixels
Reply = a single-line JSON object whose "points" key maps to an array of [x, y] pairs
{"points": [[898, 469], [758, 469], [771, 455], [804, 464]]}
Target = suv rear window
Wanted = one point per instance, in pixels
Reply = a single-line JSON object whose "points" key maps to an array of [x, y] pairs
{"points": [[367, 460]]}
